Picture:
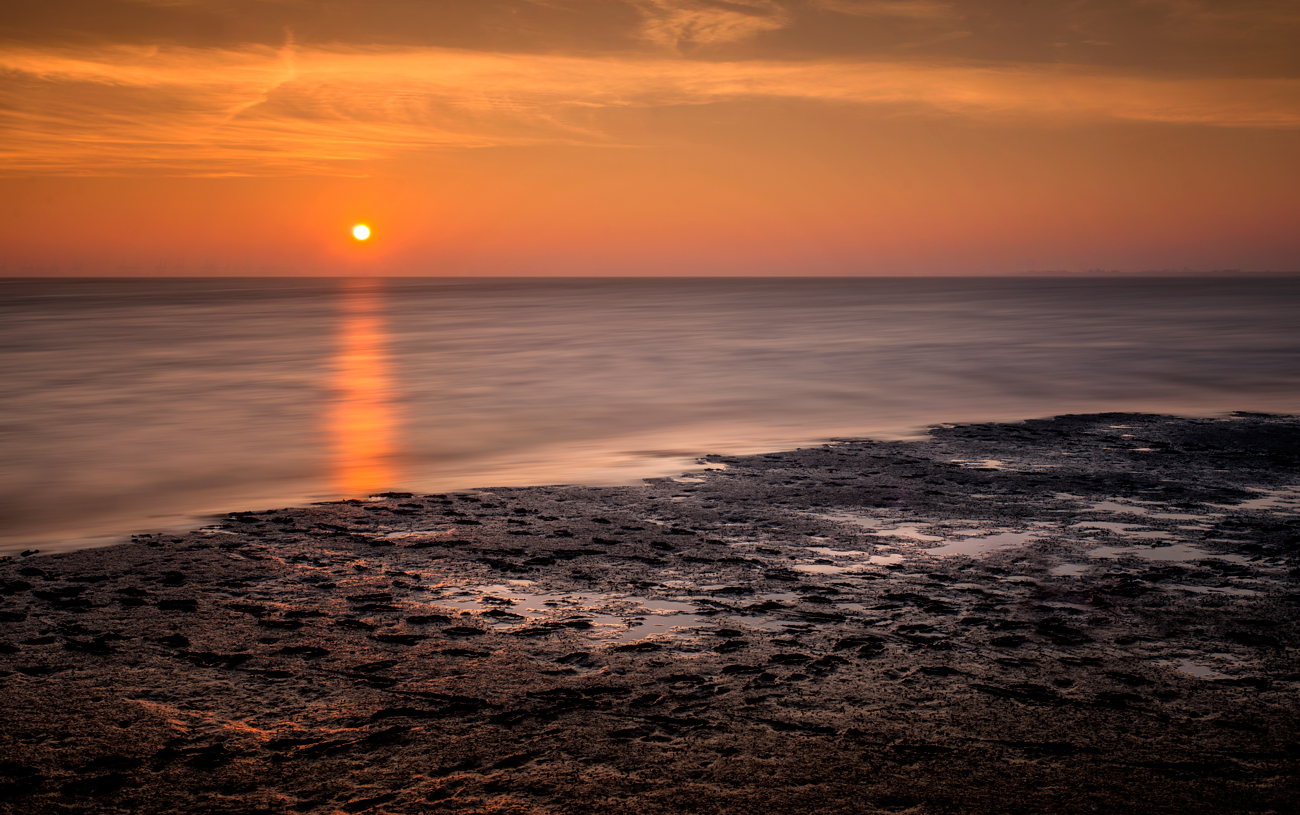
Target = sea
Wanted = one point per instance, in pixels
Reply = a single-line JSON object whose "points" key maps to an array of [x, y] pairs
{"points": [[134, 406]]}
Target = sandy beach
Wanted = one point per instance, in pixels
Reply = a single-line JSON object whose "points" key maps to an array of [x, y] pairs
{"points": [[1083, 614]]}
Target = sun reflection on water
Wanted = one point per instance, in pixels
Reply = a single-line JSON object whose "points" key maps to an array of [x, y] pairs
{"points": [[363, 415]]}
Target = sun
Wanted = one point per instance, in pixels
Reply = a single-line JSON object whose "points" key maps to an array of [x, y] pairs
{"points": [[361, 232]]}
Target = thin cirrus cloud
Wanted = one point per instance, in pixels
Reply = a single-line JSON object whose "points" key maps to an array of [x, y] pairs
{"points": [[685, 23], [909, 9], [295, 110]]}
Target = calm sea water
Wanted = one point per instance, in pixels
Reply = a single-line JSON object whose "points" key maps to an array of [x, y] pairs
{"points": [[140, 405]]}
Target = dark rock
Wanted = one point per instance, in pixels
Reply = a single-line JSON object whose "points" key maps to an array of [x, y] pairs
{"points": [[305, 651], [350, 622], [1254, 639], [638, 647], [209, 659], [95, 785], [9, 588], [427, 619], [111, 762], [1021, 692], [186, 605], [364, 804], [1009, 641], [280, 623], [939, 670], [402, 639], [789, 659]]}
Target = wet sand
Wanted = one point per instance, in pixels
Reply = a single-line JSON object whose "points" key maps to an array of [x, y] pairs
{"points": [[1084, 614]]}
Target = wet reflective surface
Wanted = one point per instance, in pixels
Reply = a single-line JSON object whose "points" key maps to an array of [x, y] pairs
{"points": [[363, 427], [132, 405]]}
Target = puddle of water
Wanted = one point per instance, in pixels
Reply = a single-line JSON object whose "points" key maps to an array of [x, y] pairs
{"points": [[989, 463], [481, 598], [769, 622], [1286, 499], [1126, 530], [1195, 669], [974, 547], [1219, 590], [860, 563], [823, 568], [826, 552], [1069, 606], [664, 605], [1068, 570], [634, 617], [1134, 509], [1177, 552], [908, 531], [850, 517], [640, 628], [1112, 506], [761, 623], [417, 533], [885, 560]]}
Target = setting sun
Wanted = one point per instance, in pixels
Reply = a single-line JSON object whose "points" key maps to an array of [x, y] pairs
{"points": [[361, 232]]}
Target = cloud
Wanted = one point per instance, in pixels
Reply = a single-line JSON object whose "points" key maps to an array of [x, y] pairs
{"points": [[263, 111], [684, 23], [909, 9], [1250, 12]]}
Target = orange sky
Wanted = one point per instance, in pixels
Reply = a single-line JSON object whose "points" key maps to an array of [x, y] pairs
{"points": [[517, 137]]}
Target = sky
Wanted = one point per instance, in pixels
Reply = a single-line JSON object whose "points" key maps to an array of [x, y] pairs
{"points": [[648, 137]]}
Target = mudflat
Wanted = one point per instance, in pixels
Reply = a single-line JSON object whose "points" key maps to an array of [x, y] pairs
{"points": [[1077, 615]]}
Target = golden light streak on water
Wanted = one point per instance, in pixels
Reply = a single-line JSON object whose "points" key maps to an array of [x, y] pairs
{"points": [[363, 423]]}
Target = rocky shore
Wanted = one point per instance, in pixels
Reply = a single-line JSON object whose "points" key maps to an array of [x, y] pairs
{"points": [[1087, 614]]}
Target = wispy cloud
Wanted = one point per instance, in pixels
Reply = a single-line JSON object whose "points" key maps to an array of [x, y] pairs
{"points": [[311, 110], [684, 23], [911, 9]]}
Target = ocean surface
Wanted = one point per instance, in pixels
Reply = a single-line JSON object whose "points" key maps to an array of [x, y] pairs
{"points": [[140, 405]]}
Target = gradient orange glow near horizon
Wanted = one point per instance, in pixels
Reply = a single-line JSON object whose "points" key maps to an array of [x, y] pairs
{"points": [[648, 137]]}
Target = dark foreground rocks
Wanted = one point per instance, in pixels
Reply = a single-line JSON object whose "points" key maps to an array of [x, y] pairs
{"points": [[1080, 615]]}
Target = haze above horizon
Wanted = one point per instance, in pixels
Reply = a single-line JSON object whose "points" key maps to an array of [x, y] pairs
{"points": [[648, 137]]}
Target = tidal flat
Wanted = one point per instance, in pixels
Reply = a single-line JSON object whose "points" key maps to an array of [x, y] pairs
{"points": [[1092, 613]]}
